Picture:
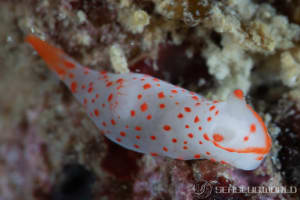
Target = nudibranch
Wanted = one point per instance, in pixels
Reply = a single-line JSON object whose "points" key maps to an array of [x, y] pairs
{"points": [[151, 116]]}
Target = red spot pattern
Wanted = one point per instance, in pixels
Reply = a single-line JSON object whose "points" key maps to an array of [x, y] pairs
{"points": [[252, 128], [167, 127], [132, 113], [218, 137], [205, 136], [144, 107], [161, 95], [74, 86], [147, 86], [110, 97], [162, 106], [212, 107], [96, 111], [152, 137], [139, 96], [196, 120], [180, 116], [165, 149], [138, 128], [197, 156], [187, 109], [122, 133]]}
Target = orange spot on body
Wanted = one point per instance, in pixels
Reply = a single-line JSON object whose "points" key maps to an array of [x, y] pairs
{"points": [[162, 106], [187, 126], [205, 136], [197, 104], [144, 107], [212, 108], [190, 135], [74, 86], [252, 128], [185, 148], [174, 140], [209, 119], [200, 128], [136, 146], [185, 142], [120, 80], [165, 149], [109, 84], [196, 120], [83, 86], [147, 86], [153, 154], [139, 96], [90, 90], [69, 65], [218, 137], [96, 111], [138, 128], [200, 142], [195, 98], [110, 97], [161, 95], [153, 137], [113, 122], [138, 137], [149, 117], [187, 109], [180, 115], [122, 133], [207, 153], [104, 124], [119, 139], [174, 91], [197, 156], [246, 138], [167, 127]]}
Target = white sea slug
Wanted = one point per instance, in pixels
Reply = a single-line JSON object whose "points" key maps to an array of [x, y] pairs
{"points": [[151, 116]]}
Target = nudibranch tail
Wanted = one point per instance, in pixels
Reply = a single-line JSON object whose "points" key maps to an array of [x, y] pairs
{"points": [[55, 58]]}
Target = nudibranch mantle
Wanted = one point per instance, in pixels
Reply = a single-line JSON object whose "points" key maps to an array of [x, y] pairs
{"points": [[151, 116]]}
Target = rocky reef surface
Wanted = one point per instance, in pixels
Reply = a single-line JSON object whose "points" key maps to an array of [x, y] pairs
{"points": [[49, 149]]}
